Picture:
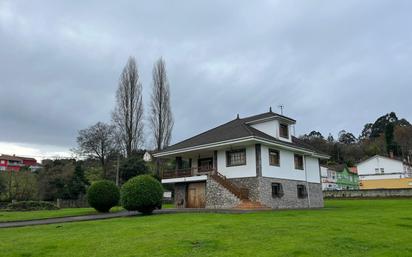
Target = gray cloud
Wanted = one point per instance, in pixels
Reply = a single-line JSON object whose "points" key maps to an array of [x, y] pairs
{"points": [[334, 65]]}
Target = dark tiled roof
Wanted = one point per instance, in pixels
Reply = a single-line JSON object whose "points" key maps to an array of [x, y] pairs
{"points": [[235, 129], [264, 116], [340, 168]]}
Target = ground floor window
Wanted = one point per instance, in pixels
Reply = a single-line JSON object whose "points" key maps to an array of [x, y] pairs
{"points": [[302, 193], [236, 157], [277, 190]]}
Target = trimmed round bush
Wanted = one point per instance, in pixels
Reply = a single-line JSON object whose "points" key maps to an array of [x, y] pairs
{"points": [[31, 206], [103, 195], [142, 193]]}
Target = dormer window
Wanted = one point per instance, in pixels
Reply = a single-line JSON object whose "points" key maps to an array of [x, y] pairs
{"points": [[283, 130]]}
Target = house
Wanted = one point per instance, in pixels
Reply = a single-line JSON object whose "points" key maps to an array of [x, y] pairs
{"points": [[346, 178], [329, 178], [252, 162], [14, 163], [147, 157], [384, 172]]}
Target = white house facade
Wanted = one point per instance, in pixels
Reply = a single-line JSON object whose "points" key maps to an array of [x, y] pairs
{"points": [[251, 162], [384, 172], [329, 178]]}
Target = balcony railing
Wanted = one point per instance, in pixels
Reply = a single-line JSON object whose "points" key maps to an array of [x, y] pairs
{"points": [[188, 172]]}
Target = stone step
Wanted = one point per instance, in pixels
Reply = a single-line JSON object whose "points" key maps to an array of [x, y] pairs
{"points": [[250, 205]]}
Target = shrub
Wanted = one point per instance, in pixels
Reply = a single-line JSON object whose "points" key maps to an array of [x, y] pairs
{"points": [[142, 193], [31, 206], [103, 195]]}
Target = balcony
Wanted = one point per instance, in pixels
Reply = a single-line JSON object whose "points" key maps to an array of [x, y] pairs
{"points": [[188, 172]]}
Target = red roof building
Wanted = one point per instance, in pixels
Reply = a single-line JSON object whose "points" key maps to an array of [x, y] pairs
{"points": [[14, 163]]}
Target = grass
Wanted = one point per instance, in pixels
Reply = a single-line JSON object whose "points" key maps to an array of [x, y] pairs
{"points": [[66, 212], [342, 228], [34, 215]]}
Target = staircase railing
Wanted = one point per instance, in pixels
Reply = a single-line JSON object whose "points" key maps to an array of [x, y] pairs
{"points": [[240, 192]]}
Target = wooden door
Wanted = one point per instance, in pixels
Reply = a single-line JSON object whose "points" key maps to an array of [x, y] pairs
{"points": [[196, 195]]}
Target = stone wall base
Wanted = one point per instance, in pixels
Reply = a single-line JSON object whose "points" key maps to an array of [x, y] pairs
{"points": [[218, 197], [260, 190]]}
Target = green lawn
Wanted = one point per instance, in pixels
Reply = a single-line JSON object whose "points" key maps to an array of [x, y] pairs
{"points": [[33, 215], [343, 228]]}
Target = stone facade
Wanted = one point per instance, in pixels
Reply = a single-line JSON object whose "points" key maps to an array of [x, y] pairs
{"points": [[180, 195], [260, 190], [218, 197]]}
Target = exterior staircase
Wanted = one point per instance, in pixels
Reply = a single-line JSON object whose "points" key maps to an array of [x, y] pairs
{"points": [[240, 192]]}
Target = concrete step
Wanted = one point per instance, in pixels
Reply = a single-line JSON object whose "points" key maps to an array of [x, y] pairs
{"points": [[251, 205]]}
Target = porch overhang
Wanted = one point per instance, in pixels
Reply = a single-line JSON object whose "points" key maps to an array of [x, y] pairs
{"points": [[184, 179]]}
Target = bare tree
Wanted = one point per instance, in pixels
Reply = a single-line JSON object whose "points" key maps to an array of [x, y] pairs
{"points": [[161, 118], [128, 113], [98, 141]]}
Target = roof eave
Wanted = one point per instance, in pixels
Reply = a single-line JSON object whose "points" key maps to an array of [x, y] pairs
{"points": [[240, 140]]}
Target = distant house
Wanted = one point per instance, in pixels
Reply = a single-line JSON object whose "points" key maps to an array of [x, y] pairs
{"points": [[384, 172], [329, 178], [339, 177], [147, 157], [250, 162], [15, 163], [347, 178]]}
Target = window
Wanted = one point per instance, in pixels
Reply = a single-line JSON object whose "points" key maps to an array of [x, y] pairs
{"points": [[302, 191], [284, 130], [298, 162], [376, 170], [2, 161], [382, 170], [274, 159], [236, 157], [277, 190]]}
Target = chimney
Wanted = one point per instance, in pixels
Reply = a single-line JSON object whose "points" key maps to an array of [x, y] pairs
{"points": [[391, 154]]}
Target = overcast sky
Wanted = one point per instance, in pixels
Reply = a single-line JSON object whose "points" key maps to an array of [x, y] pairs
{"points": [[333, 64]]}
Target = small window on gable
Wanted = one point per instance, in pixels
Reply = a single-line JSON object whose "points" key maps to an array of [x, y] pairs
{"points": [[298, 162], [377, 170], [382, 170], [274, 157], [236, 157], [302, 191], [277, 190], [284, 130]]}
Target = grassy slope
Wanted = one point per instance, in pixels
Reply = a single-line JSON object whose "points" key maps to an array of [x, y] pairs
{"points": [[343, 228]]}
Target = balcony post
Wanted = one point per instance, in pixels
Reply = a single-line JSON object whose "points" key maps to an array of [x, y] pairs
{"points": [[178, 165]]}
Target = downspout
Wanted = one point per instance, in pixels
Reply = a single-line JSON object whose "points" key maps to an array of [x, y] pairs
{"points": [[306, 180]]}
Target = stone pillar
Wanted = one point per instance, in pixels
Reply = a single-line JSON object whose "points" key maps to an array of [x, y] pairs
{"points": [[258, 160]]}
